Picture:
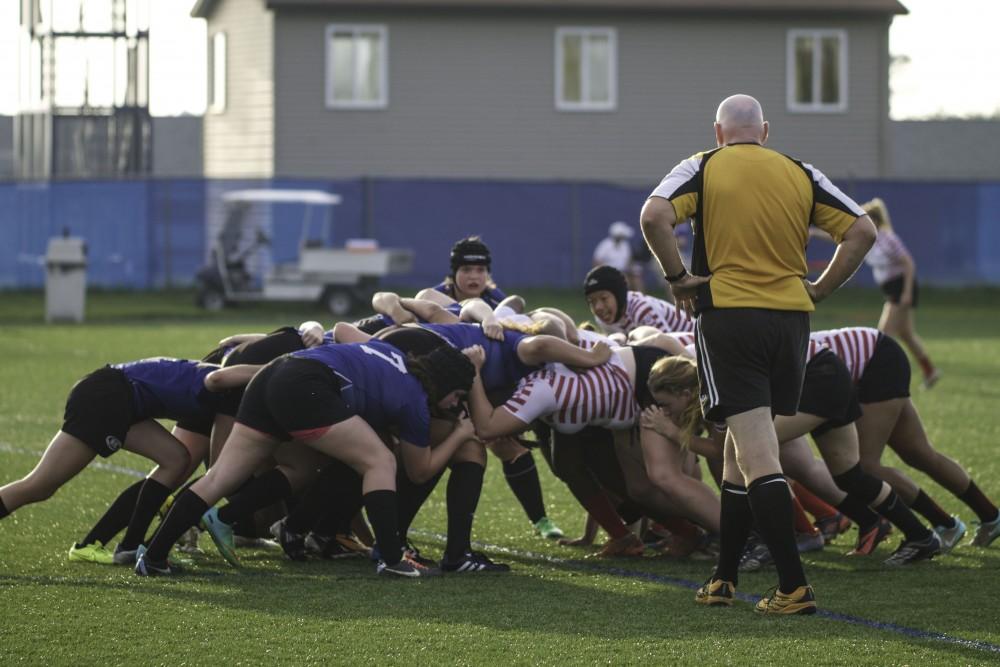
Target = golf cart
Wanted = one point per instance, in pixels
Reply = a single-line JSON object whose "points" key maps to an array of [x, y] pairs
{"points": [[242, 267]]}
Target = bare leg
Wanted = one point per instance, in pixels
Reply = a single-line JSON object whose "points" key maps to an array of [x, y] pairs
{"points": [[664, 463], [63, 459], [909, 440]]}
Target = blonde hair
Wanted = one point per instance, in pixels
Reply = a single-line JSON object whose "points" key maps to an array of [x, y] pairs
{"points": [[587, 325], [674, 375], [534, 329], [877, 211]]}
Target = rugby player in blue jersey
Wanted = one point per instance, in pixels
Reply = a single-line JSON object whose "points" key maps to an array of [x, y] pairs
{"points": [[116, 407], [333, 398]]}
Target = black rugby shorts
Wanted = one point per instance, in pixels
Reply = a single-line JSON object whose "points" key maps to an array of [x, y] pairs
{"points": [[829, 392], [100, 409], [750, 358], [887, 375]]}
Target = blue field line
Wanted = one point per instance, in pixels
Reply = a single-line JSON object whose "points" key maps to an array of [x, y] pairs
{"points": [[584, 566]]}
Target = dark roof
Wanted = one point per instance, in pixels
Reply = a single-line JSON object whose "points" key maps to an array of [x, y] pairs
{"points": [[854, 6], [203, 8]]}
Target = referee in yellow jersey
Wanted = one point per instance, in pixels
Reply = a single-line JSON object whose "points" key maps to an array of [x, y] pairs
{"points": [[751, 208]]}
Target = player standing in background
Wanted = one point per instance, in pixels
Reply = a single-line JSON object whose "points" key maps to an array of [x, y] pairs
{"points": [[896, 274], [751, 208]]}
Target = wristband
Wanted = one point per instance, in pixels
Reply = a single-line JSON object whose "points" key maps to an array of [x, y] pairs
{"points": [[675, 278]]}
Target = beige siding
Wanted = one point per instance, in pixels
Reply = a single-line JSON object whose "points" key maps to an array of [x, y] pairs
{"points": [[239, 142], [471, 95]]}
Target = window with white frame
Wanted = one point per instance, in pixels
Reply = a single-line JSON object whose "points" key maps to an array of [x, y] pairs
{"points": [[586, 69], [217, 74], [817, 70], [356, 66]]}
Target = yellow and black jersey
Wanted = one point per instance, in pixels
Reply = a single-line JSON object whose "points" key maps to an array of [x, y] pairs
{"points": [[751, 208]]}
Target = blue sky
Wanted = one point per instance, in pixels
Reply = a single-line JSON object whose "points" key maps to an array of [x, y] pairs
{"points": [[951, 65]]}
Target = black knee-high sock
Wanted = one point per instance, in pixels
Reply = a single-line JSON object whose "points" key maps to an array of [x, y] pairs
{"points": [[735, 524], [381, 509], [630, 512], [862, 489], [411, 498], [116, 517], [269, 488], [866, 488], [972, 496], [151, 496], [184, 513], [896, 511], [337, 485], [522, 478], [930, 510], [465, 484], [3, 509], [771, 501]]}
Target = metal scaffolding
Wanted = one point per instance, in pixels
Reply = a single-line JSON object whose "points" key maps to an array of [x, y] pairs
{"points": [[83, 93]]}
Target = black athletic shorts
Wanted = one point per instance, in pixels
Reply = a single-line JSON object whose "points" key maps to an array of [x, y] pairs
{"points": [[829, 392], [887, 375], [645, 357], [267, 349], [259, 352], [893, 289], [293, 399], [750, 358], [100, 409], [412, 340]]}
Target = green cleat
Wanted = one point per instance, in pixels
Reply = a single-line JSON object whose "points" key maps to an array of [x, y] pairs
{"points": [[222, 534], [548, 529], [91, 553]]}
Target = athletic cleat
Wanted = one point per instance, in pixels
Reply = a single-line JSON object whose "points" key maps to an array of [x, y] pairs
{"points": [[242, 542], [189, 541], [293, 544], [352, 543], [472, 561], [125, 556], [807, 542], [871, 538], [755, 556], [91, 553], [911, 551], [413, 553], [406, 568], [986, 532], [716, 593], [626, 545], [328, 547], [800, 601], [547, 529], [950, 537], [832, 526], [222, 534], [147, 568]]}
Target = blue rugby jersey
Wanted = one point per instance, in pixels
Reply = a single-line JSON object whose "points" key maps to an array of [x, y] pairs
{"points": [[453, 308], [377, 387], [503, 368], [166, 388]]}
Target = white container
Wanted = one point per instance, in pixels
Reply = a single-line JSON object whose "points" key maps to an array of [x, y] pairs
{"points": [[65, 279]]}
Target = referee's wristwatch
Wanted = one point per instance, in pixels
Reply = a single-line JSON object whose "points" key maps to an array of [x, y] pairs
{"points": [[674, 278]]}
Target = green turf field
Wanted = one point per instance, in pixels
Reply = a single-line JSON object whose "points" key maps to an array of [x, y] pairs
{"points": [[555, 608]]}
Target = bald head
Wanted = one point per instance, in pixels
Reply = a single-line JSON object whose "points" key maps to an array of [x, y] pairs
{"points": [[740, 119]]}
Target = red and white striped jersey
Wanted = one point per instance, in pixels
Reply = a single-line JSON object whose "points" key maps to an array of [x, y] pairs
{"points": [[685, 338], [568, 401], [854, 345], [644, 310], [815, 347], [887, 256]]}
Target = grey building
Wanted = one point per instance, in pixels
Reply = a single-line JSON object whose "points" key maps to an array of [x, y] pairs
{"points": [[613, 90]]}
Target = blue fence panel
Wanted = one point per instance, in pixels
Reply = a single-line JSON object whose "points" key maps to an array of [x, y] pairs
{"points": [[144, 234], [526, 226], [177, 218]]}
